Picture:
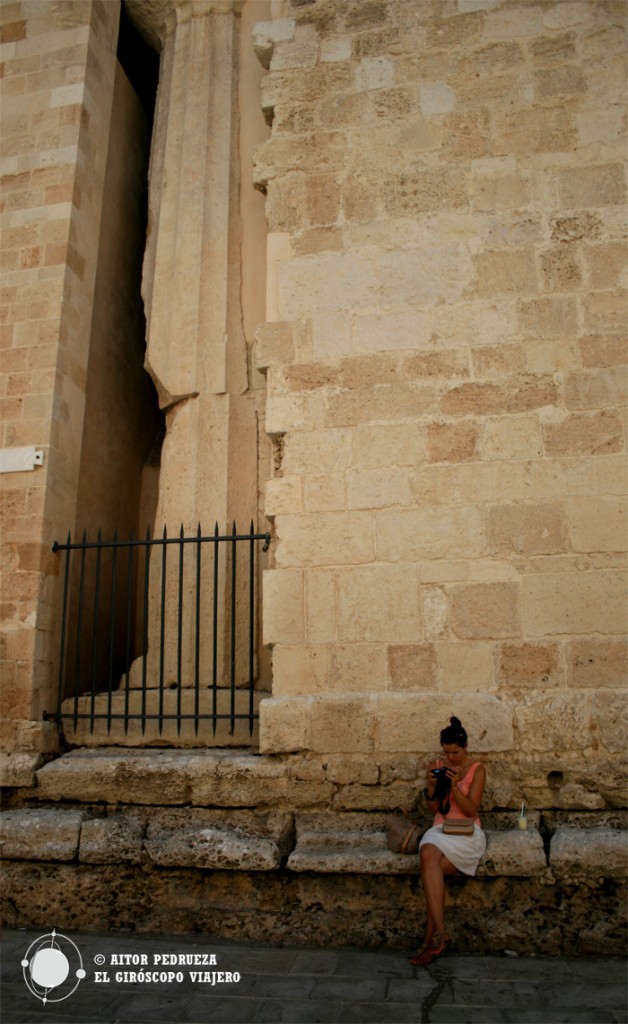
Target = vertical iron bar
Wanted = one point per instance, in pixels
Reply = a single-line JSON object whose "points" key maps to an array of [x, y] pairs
{"points": [[233, 629], [197, 633], [251, 625], [215, 635], [145, 626], [112, 624], [79, 629], [163, 630], [64, 620], [129, 622], [180, 629], [92, 705]]}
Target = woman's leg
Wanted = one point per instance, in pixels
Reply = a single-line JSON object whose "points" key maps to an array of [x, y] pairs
{"points": [[434, 869]]}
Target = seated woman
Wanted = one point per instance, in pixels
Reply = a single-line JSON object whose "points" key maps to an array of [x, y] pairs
{"points": [[454, 793]]}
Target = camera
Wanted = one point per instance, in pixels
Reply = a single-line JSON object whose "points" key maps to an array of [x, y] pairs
{"points": [[442, 789]]}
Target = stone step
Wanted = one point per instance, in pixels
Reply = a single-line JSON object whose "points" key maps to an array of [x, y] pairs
{"points": [[356, 844], [170, 733], [218, 840]]}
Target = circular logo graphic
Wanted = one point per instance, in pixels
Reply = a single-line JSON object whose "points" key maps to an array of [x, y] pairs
{"points": [[52, 963]]}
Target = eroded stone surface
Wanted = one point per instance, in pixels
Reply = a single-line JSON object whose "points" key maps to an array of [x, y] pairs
{"points": [[40, 834], [591, 854]]}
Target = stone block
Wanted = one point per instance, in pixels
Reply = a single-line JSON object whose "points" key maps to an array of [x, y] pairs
{"points": [[342, 724], [582, 433], [301, 670], [378, 488], [390, 331], [505, 271], [609, 720], [18, 768], [554, 721], [40, 834], [423, 192], [283, 494], [595, 389], [379, 603], [531, 666], [487, 398], [465, 667], [318, 539], [560, 268], [220, 840], [331, 336], [573, 603], [591, 187], [598, 524], [374, 73], [284, 724], [346, 842], [513, 853], [548, 317], [452, 442], [590, 854], [323, 282], [317, 451], [424, 277], [432, 533], [435, 612], [320, 606], [112, 840], [527, 529], [605, 310], [237, 780], [279, 343], [337, 48], [357, 667], [411, 666], [511, 437], [436, 98], [412, 722], [388, 403], [324, 494], [597, 664], [283, 606], [485, 610], [111, 776]]}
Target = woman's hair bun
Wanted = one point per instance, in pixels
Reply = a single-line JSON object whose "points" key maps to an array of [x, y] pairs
{"points": [[454, 733]]}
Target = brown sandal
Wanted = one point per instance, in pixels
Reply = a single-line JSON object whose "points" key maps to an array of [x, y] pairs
{"points": [[440, 942]]}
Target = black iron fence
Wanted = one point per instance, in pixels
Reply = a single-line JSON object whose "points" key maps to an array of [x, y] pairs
{"points": [[159, 629]]}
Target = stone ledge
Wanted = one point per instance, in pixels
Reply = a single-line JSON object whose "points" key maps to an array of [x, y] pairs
{"points": [[347, 843], [589, 854], [19, 769], [40, 833], [356, 844], [212, 778], [220, 840]]}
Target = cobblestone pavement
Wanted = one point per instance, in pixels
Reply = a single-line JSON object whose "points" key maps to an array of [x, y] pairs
{"points": [[225, 982]]}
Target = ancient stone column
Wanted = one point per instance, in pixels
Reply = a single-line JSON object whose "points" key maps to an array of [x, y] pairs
{"points": [[196, 349]]}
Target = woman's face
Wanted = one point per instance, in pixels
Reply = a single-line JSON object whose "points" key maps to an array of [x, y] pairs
{"points": [[454, 753]]}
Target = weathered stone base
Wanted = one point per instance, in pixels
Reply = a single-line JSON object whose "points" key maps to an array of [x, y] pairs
{"points": [[485, 915]]}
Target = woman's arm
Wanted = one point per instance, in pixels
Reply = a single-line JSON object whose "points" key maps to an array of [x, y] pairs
{"points": [[432, 802], [470, 805]]}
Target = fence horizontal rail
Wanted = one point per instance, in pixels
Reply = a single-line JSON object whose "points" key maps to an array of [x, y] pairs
{"points": [[140, 626]]}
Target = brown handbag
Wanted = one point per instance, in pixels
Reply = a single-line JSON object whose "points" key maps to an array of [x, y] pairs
{"points": [[402, 834], [458, 826]]}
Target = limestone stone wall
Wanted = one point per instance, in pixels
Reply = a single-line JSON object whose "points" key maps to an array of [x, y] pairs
{"points": [[445, 369], [57, 90]]}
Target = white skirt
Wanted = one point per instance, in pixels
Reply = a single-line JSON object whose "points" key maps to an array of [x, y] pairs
{"points": [[464, 852]]}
